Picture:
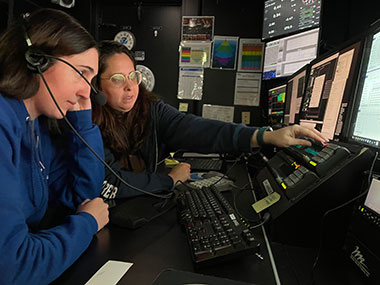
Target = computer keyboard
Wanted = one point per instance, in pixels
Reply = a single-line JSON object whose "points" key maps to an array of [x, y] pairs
{"points": [[214, 231], [204, 164]]}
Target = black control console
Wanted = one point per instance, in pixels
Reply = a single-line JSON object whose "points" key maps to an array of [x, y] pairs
{"points": [[319, 158], [300, 183], [295, 169], [296, 177]]}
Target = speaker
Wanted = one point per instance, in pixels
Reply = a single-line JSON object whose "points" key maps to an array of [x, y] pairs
{"points": [[362, 241], [64, 3], [361, 247], [34, 59]]}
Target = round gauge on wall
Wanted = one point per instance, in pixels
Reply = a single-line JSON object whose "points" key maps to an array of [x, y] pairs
{"points": [[126, 38], [147, 77]]}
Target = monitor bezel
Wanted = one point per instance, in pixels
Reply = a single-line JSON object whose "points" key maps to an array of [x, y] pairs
{"points": [[305, 68], [340, 49], [269, 39], [366, 50], [282, 85], [284, 38]]}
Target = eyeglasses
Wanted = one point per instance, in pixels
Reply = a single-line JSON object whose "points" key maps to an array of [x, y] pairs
{"points": [[118, 79]]}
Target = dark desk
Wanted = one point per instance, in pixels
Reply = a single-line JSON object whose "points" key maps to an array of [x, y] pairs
{"points": [[161, 244]]}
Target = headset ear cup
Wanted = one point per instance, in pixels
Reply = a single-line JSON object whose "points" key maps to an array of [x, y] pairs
{"points": [[36, 58]]}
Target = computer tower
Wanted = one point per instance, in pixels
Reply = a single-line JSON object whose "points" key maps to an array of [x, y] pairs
{"points": [[361, 245]]}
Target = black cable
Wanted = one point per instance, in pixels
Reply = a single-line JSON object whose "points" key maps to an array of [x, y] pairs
{"points": [[335, 209], [262, 220], [168, 196], [225, 174]]}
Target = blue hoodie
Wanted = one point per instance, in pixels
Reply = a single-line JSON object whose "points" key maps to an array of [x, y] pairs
{"points": [[33, 173]]}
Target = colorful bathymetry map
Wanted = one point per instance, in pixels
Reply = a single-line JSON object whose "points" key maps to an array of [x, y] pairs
{"points": [[224, 53]]}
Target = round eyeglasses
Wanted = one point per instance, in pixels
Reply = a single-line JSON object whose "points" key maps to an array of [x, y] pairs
{"points": [[118, 79]]}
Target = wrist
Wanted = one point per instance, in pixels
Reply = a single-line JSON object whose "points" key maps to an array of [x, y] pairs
{"points": [[262, 136]]}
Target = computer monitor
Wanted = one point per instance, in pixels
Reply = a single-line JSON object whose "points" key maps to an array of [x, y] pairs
{"points": [[285, 56], [372, 200], [284, 17], [365, 124], [295, 89], [276, 104], [329, 89]]}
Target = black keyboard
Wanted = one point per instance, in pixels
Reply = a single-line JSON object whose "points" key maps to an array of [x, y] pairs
{"points": [[204, 164], [214, 231]]}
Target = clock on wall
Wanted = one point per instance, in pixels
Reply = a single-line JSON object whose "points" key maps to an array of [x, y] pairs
{"points": [[147, 77], [126, 38]]}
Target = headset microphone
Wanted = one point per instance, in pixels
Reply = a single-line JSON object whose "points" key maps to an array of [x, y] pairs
{"points": [[35, 59], [96, 95]]}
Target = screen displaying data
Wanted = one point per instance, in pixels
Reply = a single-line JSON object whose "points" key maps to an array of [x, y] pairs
{"points": [[366, 128], [285, 56], [328, 92], [284, 17], [295, 90], [372, 200], [276, 104]]}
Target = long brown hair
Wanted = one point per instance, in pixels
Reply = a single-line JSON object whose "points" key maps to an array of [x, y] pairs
{"points": [[51, 31], [122, 132]]}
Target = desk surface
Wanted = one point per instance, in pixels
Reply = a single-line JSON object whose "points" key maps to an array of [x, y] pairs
{"points": [[154, 247], [159, 245]]}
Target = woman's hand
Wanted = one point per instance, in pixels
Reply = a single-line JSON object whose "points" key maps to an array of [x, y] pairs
{"points": [[97, 208], [180, 172], [84, 103], [288, 136]]}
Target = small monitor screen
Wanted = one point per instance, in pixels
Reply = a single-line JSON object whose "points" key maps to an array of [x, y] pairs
{"points": [[373, 197], [285, 56], [276, 104], [294, 93], [284, 17], [366, 127], [328, 91]]}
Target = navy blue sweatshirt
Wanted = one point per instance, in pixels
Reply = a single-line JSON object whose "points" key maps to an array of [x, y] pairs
{"points": [[33, 173], [171, 129]]}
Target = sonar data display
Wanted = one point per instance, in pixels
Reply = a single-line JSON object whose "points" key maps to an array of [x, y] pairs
{"points": [[284, 17]]}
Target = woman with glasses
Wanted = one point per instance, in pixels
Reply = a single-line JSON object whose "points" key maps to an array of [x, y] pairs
{"points": [[137, 128]]}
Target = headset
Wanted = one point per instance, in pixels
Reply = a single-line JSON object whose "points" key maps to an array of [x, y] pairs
{"points": [[38, 62]]}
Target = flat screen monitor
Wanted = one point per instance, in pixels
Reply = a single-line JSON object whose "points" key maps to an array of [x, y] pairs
{"points": [[284, 17], [365, 126], [295, 89], [329, 89], [276, 104], [372, 200], [285, 56]]}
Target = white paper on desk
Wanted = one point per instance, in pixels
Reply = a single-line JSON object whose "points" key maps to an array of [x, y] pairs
{"points": [[110, 273]]}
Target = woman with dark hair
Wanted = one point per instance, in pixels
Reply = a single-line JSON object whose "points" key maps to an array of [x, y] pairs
{"points": [[136, 126], [35, 171]]}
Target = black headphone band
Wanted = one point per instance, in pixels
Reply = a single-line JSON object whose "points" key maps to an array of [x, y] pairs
{"points": [[38, 62], [34, 57]]}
